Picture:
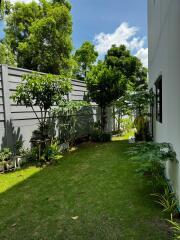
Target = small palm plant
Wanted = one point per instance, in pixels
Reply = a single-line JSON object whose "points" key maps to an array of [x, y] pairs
{"points": [[175, 227], [167, 200]]}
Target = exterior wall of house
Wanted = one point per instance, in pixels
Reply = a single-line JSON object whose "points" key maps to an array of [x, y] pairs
{"points": [[164, 59]]}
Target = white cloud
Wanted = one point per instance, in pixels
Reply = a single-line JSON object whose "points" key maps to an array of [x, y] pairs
{"points": [[126, 35], [143, 55]]}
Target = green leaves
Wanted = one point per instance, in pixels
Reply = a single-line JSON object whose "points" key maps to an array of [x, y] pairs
{"points": [[43, 90], [40, 35], [167, 200], [148, 151], [176, 228], [104, 84], [85, 56], [6, 56], [5, 7], [5, 154]]}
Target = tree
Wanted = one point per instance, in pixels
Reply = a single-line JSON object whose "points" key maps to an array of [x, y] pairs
{"points": [[63, 2], [19, 20], [44, 91], [139, 95], [6, 56], [85, 56], [40, 35], [120, 59], [105, 86], [5, 6], [110, 80], [121, 108]]}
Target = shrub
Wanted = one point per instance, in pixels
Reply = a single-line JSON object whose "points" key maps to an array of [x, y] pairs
{"points": [[167, 200], [97, 136], [142, 126], [153, 157], [52, 152], [176, 228], [17, 147], [105, 137], [117, 132], [32, 155], [5, 154]]}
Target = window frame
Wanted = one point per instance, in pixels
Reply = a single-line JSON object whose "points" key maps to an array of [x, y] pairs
{"points": [[158, 85]]}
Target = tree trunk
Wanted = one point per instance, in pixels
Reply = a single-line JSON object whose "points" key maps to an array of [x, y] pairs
{"points": [[114, 119], [103, 118], [119, 120]]}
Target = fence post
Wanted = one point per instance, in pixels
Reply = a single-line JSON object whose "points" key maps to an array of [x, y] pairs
{"points": [[7, 104]]}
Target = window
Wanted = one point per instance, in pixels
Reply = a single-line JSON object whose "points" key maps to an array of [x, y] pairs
{"points": [[158, 85]]}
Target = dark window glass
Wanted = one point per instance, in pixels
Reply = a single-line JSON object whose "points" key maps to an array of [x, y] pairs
{"points": [[158, 85]]}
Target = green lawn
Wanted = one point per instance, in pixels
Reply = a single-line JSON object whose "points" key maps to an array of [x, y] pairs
{"points": [[93, 193]]}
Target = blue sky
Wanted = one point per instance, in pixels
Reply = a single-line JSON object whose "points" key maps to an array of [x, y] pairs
{"points": [[107, 22], [91, 17]]}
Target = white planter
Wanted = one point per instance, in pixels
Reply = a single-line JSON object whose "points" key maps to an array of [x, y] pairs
{"points": [[18, 160]]}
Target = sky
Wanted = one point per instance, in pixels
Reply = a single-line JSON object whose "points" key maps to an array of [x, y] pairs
{"points": [[107, 22]]}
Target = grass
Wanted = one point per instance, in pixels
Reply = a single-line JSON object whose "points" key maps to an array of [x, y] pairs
{"points": [[93, 193]]}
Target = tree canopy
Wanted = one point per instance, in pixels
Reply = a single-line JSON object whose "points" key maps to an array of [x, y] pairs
{"points": [[40, 35], [5, 7], [85, 57], [120, 59], [43, 90], [6, 56], [112, 78], [105, 86]]}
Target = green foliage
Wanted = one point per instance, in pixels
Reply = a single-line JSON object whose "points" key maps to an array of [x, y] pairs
{"points": [[40, 35], [126, 124], [104, 86], [85, 56], [120, 59], [175, 227], [32, 155], [98, 136], [167, 200], [141, 100], [22, 16], [52, 152], [67, 119], [109, 80], [43, 90], [17, 148], [149, 151], [137, 97], [5, 7], [142, 127], [153, 157], [6, 56], [62, 2], [5, 154]]}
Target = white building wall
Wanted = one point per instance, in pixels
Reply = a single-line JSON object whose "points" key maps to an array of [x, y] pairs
{"points": [[164, 59]]}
